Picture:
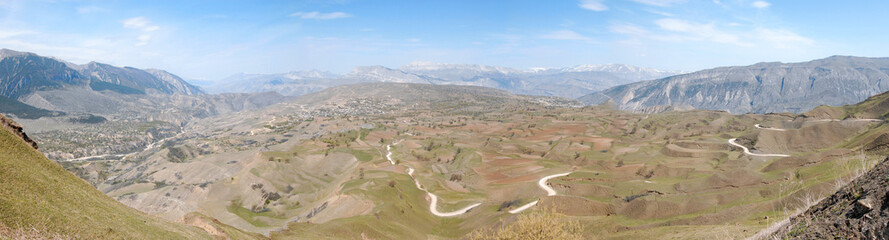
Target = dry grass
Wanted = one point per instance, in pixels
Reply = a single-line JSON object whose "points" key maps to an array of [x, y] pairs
{"points": [[855, 167], [39, 199], [546, 224], [29, 233]]}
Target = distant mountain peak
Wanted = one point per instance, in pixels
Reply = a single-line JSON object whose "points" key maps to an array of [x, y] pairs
{"points": [[759, 88], [29, 72], [309, 74], [431, 66], [614, 67], [4, 53]]}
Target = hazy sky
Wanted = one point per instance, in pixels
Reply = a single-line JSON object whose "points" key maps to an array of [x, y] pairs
{"points": [[213, 39]]}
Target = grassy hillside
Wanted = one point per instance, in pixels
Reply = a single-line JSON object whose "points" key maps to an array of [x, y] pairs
{"points": [[39, 195], [875, 107]]}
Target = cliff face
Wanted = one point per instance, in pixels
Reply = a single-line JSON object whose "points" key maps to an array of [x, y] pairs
{"points": [[17, 130], [860, 210], [23, 73], [759, 88]]}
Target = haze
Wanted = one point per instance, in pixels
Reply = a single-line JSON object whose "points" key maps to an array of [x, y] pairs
{"points": [[210, 40]]}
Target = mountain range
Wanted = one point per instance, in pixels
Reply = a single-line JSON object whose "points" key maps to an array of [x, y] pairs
{"points": [[27, 72], [33, 86], [758, 88], [569, 82], [392, 152]]}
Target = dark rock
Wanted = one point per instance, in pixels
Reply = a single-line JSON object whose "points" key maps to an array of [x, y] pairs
{"points": [[17, 129], [850, 213]]}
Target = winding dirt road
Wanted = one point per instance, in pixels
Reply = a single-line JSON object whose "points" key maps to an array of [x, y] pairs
{"points": [[433, 202], [747, 151], [542, 184], [768, 128]]}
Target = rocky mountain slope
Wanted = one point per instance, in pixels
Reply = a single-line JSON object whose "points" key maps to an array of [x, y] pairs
{"points": [[860, 210], [39, 199], [33, 86], [37, 81], [24, 73], [758, 88], [562, 82]]}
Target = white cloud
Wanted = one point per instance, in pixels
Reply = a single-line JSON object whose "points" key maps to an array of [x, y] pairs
{"points": [[143, 39], [90, 9], [141, 24], [782, 39], [65, 52], [14, 33], [682, 31], [659, 3], [135, 23], [320, 16], [761, 4], [665, 14], [566, 35], [594, 5], [698, 31], [628, 29]]}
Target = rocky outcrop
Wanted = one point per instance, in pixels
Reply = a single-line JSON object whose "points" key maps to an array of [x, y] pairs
{"points": [[860, 210], [23, 73], [759, 88], [16, 129]]}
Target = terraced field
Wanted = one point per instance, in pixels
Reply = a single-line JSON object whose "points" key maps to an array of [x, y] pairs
{"points": [[457, 164]]}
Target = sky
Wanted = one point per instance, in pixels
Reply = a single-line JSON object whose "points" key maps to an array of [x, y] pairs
{"points": [[210, 40]]}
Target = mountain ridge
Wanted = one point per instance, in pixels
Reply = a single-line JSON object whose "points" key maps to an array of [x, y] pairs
{"points": [[27, 72], [758, 88], [570, 82]]}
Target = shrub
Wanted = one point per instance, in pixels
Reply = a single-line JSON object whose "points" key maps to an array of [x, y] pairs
{"points": [[545, 224]]}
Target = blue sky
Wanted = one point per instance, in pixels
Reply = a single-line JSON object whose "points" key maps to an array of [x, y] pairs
{"points": [[213, 39]]}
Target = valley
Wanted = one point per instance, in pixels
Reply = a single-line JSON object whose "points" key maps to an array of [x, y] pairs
{"points": [[408, 160], [475, 120], [417, 161]]}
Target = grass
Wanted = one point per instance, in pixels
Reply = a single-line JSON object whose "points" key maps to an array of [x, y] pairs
{"points": [[38, 193], [250, 216], [362, 156], [402, 211], [545, 224]]}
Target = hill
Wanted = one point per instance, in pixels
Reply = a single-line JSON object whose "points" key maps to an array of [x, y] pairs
{"points": [[857, 211], [758, 88], [569, 82], [38, 198], [38, 193], [358, 160], [419, 95]]}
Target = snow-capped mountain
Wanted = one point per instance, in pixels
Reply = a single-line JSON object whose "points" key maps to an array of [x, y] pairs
{"points": [[568, 82], [291, 83]]}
